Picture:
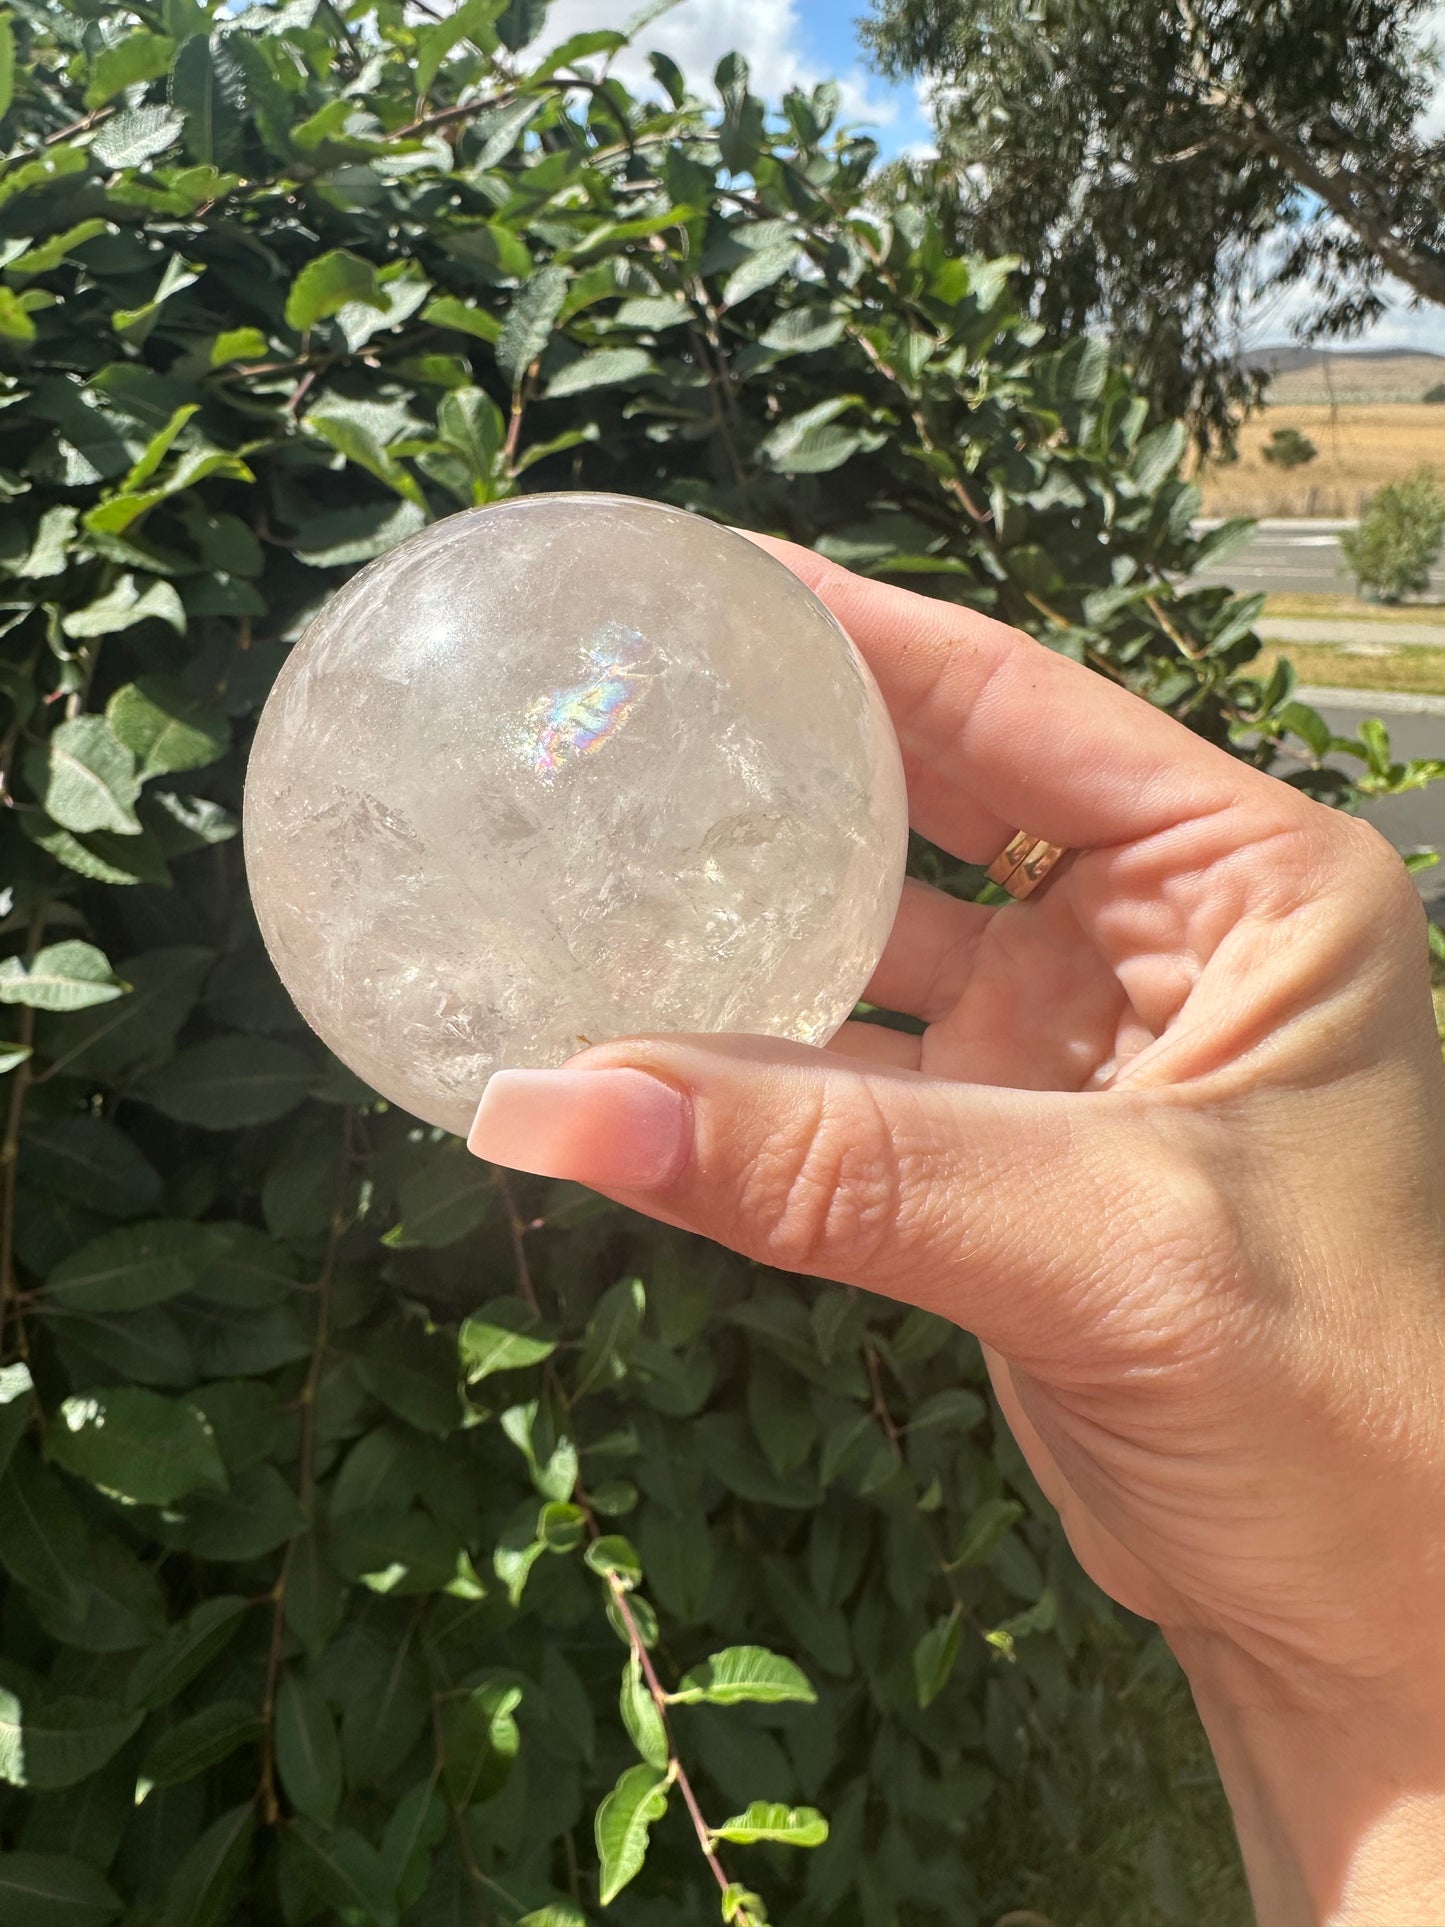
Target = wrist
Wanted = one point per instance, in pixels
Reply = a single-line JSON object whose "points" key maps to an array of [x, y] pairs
{"points": [[1337, 1785]]}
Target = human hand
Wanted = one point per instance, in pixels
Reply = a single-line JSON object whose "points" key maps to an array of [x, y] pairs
{"points": [[1170, 1145]]}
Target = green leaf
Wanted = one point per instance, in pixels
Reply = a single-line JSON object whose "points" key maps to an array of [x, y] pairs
{"points": [[63, 976], [779, 1825], [448, 1198], [623, 1820], [54, 1890], [165, 728], [230, 1081], [257, 1515], [560, 1913], [208, 86], [353, 440], [17, 1408], [802, 331], [90, 781], [89, 1157], [934, 1656], [140, 1264], [955, 1408], [237, 344], [183, 1651], [122, 607], [812, 443], [761, 270], [740, 1673], [640, 1716], [449, 312], [208, 1880], [394, 1552], [49, 553], [137, 136], [602, 368], [501, 1336], [103, 856], [343, 1872], [42, 1537], [987, 1524], [141, 1026], [329, 283], [141, 55], [15, 322], [196, 1744], [7, 94], [307, 1755], [615, 1557], [159, 446], [530, 321], [59, 1742], [45, 256], [611, 1334], [479, 1739], [136, 1445], [581, 46], [471, 422], [470, 21], [520, 21]]}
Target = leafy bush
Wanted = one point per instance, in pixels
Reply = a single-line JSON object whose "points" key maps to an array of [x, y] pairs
{"points": [[1288, 448], [370, 1521], [1435, 393], [1397, 540]]}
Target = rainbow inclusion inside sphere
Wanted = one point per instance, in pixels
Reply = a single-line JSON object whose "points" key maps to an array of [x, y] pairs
{"points": [[569, 768]]}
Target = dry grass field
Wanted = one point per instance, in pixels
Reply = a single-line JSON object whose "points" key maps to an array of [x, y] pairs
{"points": [[1361, 447]]}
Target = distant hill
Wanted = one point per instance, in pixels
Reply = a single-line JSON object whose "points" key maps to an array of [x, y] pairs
{"points": [[1325, 375]]}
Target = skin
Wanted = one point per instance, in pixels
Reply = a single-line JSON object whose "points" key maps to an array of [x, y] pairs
{"points": [[1170, 1144]]}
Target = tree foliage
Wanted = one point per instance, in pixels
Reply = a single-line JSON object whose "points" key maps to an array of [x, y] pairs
{"points": [[1398, 539], [384, 1540], [1149, 164]]}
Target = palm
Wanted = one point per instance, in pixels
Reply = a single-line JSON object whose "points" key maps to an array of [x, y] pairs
{"points": [[1041, 1003], [1068, 993]]}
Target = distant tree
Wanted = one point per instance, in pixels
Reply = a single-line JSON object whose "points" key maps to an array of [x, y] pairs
{"points": [[1288, 448], [1437, 393], [1398, 541], [1135, 154]]}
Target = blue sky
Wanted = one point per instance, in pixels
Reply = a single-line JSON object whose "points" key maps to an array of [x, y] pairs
{"points": [[799, 42]]}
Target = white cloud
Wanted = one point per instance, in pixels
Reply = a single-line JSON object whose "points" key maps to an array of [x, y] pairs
{"points": [[698, 33]]}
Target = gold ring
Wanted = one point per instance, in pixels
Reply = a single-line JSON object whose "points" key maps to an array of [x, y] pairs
{"points": [[1024, 863]]}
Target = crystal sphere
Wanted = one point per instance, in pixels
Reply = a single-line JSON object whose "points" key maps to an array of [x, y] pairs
{"points": [[564, 769]]}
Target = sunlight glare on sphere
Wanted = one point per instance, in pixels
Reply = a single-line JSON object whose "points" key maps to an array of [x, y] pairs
{"points": [[567, 769]]}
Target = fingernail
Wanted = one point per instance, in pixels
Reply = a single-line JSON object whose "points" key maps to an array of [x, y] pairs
{"points": [[615, 1130]]}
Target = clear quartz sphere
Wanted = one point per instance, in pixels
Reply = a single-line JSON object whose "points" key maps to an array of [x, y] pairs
{"points": [[569, 768]]}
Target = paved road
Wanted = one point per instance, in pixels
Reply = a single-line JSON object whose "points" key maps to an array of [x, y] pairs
{"points": [[1295, 557], [1351, 632], [1417, 728]]}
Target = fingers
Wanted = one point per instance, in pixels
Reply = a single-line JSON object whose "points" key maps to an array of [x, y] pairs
{"points": [[876, 1044], [999, 1208], [1000, 733], [930, 951]]}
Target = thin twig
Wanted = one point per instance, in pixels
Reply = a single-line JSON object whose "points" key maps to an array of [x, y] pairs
{"points": [[270, 1805], [518, 1230], [10, 1150], [676, 1770]]}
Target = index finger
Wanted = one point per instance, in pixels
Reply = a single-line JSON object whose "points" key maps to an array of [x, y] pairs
{"points": [[1000, 733]]}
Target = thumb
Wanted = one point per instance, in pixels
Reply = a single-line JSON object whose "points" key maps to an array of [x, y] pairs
{"points": [[1025, 1215]]}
